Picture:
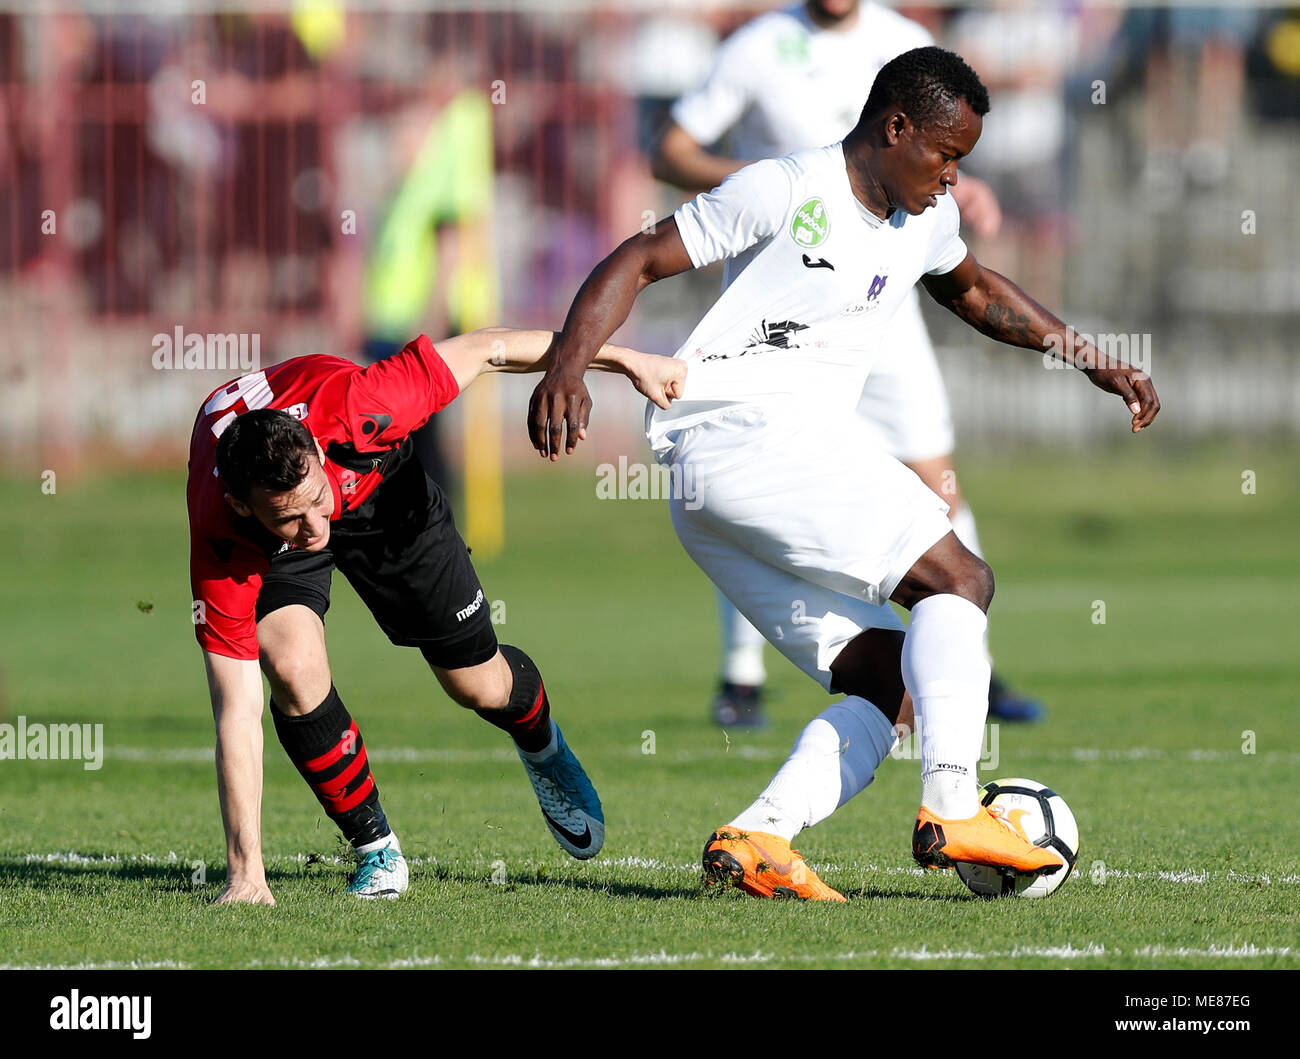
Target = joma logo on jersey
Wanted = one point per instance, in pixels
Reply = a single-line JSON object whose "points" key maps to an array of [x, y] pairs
{"points": [[877, 286], [811, 223]]}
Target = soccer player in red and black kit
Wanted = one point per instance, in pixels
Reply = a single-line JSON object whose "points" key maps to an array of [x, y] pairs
{"points": [[305, 467]]}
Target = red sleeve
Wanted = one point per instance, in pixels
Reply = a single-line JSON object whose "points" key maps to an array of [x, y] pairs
{"points": [[225, 597], [390, 399]]}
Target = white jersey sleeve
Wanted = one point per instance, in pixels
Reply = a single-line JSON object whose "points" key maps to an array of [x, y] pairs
{"points": [[708, 112], [946, 250], [750, 205]]}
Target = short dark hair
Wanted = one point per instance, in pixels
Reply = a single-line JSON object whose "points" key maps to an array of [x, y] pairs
{"points": [[925, 84], [265, 447]]}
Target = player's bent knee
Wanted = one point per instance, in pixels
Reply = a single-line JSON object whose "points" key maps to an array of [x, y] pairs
{"points": [[976, 583], [972, 580], [482, 687], [966, 575], [299, 681], [291, 651]]}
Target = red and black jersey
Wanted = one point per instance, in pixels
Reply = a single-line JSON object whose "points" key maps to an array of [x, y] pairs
{"points": [[360, 416]]}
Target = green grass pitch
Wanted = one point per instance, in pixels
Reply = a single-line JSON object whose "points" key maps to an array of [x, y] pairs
{"points": [[1171, 733]]}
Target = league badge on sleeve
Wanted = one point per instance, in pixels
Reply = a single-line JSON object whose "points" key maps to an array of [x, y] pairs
{"points": [[811, 224]]}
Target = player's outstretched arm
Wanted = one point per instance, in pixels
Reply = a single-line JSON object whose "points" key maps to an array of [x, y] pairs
{"points": [[236, 689], [561, 405], [995, 306], [514, 350], [681, 160]]}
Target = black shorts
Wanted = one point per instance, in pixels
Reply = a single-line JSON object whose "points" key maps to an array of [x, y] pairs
{"points": [[401, 552]]}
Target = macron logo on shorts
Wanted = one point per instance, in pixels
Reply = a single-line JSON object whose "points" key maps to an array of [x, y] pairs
{"points": [[464, 613]]}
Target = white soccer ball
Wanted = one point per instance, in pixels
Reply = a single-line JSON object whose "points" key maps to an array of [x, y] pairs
{"points": [[1043, 818]]}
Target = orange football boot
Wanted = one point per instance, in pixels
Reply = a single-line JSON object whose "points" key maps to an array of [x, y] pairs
{"points": [[762, 865], [987, 838]]}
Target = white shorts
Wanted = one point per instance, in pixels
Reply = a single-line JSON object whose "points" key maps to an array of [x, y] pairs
{"points": [[806, 526], [904, 401]]}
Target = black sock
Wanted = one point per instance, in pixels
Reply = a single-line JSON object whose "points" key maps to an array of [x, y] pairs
{"points": [[327, 749], [527, 717]]}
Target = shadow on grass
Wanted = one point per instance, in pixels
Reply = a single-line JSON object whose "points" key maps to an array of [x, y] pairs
{"points": [[98, 871], [872, 894], [540, 877], [83, 872]]}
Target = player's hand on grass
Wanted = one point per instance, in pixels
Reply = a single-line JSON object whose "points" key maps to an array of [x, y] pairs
{"points": [[558, 413], [659, 379], [1130, 383], [246, 891]]}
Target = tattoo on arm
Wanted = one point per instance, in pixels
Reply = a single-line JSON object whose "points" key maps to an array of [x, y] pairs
{"points": [[1004, 323]]}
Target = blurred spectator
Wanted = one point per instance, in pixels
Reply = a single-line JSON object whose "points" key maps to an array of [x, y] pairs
{"points": [[1023, 52], [669, 55], [1195, 79], [445, 189]]}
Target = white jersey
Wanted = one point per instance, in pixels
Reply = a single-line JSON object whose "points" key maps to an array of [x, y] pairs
{"points": [[799, 323], [785, 83]]}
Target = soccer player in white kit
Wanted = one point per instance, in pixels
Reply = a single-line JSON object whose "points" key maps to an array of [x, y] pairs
{"points": [[796, 513], [787, 80]]}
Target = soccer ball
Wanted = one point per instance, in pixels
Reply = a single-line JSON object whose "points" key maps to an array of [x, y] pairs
{"points": [[1041, 815]]}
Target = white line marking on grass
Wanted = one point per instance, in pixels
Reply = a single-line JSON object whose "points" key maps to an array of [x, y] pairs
{"points": [[1184, 877], [453, 756], [1247, 951], [663, 958], [650, 959], [401, 755], [109, 965], [1149, 753], [97, 860], [647, 862], [1055, 952]]}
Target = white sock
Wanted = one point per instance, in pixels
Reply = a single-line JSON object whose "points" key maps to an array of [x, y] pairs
{"points": [[947, 672], [963, 524], [742, 646], [389, 839], [833, 759]]}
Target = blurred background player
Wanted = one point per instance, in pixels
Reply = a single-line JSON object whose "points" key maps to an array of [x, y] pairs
{"points": [[1023, 53], [435, 237], [797, 78]]}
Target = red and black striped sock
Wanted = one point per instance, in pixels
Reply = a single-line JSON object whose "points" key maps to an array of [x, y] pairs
{"points": [[527, 717], [327, 749]]}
